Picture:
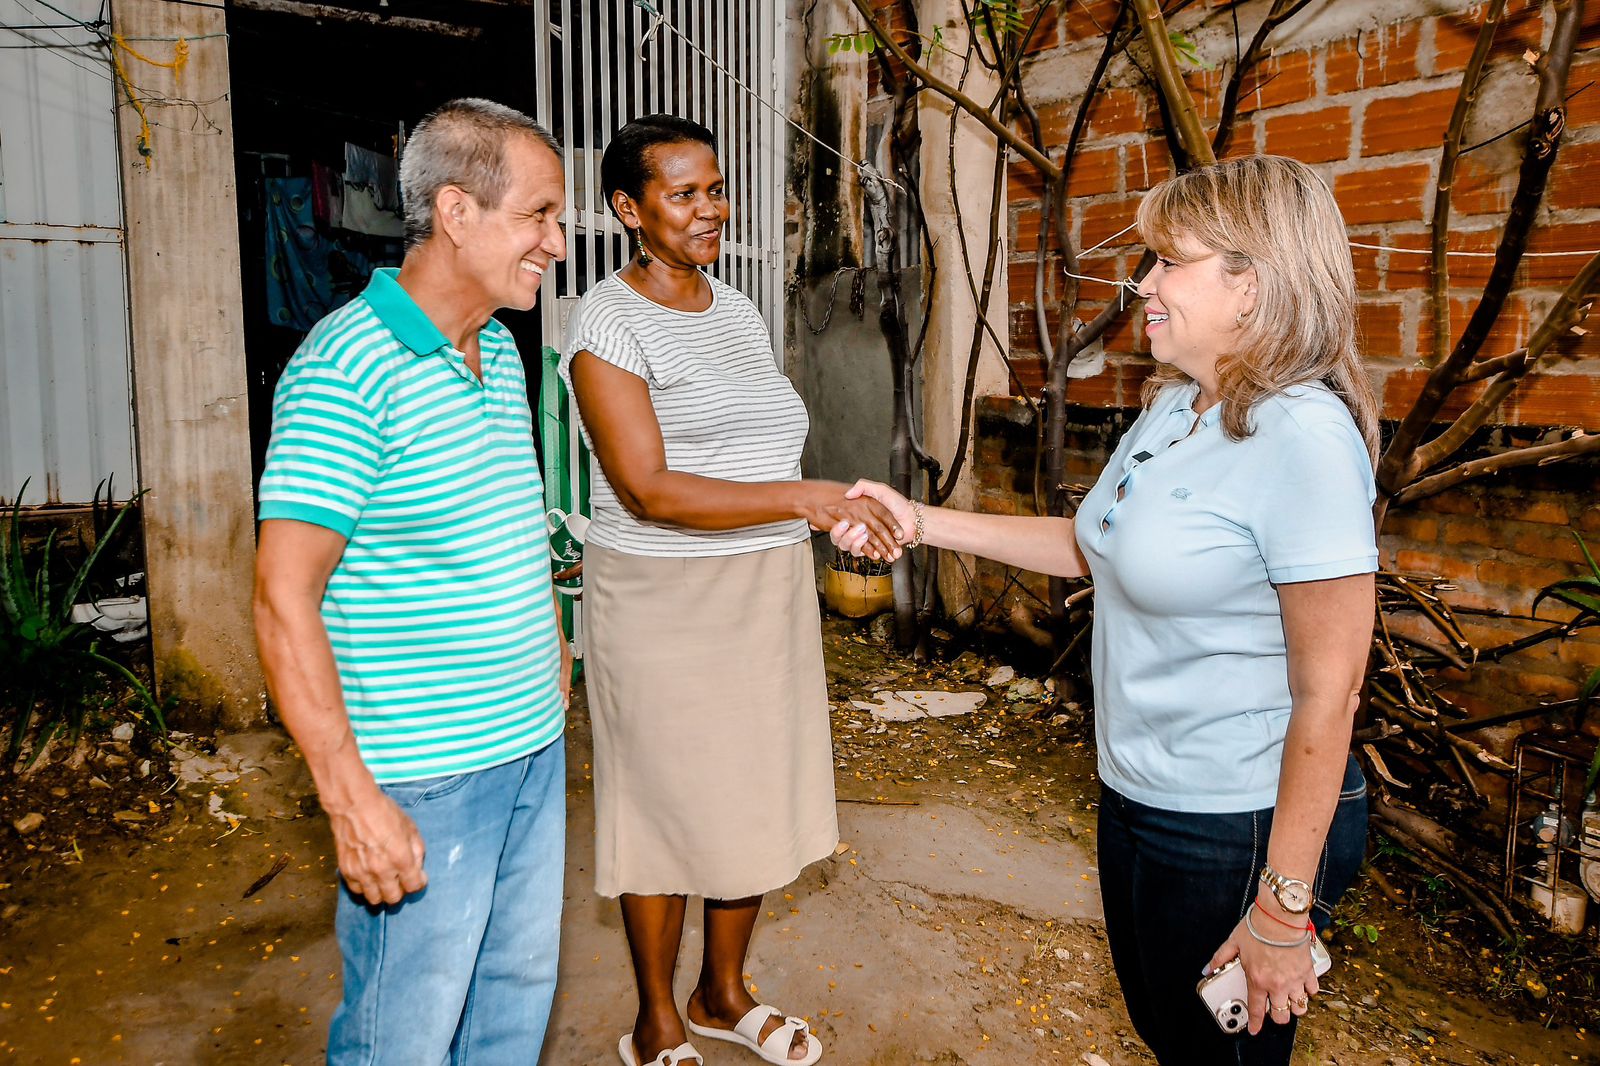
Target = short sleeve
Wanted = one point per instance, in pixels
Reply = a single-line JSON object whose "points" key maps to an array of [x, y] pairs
{"points": [[325, 452], [1313, 515], [606, 337]]}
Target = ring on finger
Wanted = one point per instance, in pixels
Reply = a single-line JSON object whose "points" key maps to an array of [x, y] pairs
{"points": [[1276, 1007], [1302, 1002]]}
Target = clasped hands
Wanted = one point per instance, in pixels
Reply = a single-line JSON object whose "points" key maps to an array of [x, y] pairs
{"points": [[871, 520]]}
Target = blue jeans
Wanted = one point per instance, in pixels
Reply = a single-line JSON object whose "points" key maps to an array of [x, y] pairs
{"points": [[1174, 886], [465, 970]]}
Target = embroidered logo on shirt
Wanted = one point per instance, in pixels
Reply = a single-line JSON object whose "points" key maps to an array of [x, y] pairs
{"points": [[1181, 494]]}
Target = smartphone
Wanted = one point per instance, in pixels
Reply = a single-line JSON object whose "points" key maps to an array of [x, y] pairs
{"points": [[1224, 992]]}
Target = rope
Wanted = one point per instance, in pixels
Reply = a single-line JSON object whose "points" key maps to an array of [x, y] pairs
{"points": [[1472, 255], [180, 59]]}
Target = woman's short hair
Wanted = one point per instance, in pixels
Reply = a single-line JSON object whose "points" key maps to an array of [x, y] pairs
{"points": [[461, 143], [1275, 215], [627, 166]]}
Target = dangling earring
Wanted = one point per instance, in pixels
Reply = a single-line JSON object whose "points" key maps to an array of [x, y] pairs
{"points": [[645, 258], [1238, 319]]}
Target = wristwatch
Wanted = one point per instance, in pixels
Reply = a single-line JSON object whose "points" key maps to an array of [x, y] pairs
{"points": [[1292, 895]]}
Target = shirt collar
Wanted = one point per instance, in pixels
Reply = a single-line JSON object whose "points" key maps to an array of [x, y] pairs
{"points": [[398, 311], [1185, 406]]}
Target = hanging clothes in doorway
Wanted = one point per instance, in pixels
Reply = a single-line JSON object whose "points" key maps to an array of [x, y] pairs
{"points": [[308, 275]]}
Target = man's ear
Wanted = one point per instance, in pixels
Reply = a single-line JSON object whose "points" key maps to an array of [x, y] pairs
{"points": [[623, 204], [453, 208]]}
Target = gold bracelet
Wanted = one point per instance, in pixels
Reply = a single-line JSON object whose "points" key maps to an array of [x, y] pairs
{"points": [[917, 511]]}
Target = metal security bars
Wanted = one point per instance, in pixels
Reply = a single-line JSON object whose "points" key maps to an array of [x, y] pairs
{"points": [[608, 61]]}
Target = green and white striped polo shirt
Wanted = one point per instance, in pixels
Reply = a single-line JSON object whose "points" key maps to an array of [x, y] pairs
{"points": [[440, 610]]}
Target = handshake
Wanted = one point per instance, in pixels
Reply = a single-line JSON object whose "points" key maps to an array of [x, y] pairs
{"points": [[870, 519]]}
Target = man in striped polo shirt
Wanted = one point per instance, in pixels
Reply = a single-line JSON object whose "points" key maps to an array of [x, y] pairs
{"points": [[405, 615]]}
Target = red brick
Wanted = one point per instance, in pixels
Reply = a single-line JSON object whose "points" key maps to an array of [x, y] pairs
{"points": [[1278, 81], [1020, 275], [1047, 34], [1025, 229], [1414, 527], [1401, 388], [1407, 123], [1029, 369], [1575, 181], [1548, 542], [1089, 18], [1556, 272], [1116, 111], [1023, 184], [1379, 328], [1148, 162], [1510, 330], [1098, 391], [1484, 189], [1584, 108], [1094, 172], [1104, 218], [1448, 567], [1557, 400], [1311, 136], [1384, 57], [1366, 262], [1472, 531], [1455, 36], [1525, 508], [1579, 650], [1389, 194], [1414, 270], [1529, 576], [1205, 86]]}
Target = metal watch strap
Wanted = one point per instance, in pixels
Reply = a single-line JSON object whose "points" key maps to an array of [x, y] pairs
{"points": [[1277, 884]]}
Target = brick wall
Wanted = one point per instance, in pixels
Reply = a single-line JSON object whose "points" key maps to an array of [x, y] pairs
{"points": [[1368, 109]]}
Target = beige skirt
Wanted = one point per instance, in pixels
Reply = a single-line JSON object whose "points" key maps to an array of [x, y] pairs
{"points": [[713, 762]]}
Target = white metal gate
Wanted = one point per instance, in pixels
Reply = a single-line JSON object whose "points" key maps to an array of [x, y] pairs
{"points": [[604, 62], [66, 417]]}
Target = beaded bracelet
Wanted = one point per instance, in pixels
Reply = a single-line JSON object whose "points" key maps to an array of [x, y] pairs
{"points": [[1305, 937], [917, 511]]}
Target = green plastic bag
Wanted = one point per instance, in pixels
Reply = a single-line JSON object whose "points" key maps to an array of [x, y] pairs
{"points": [[566, 494]]}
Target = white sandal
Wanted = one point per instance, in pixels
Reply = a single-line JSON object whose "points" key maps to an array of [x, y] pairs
{"points": [[775, 1048], [684, 1052]]}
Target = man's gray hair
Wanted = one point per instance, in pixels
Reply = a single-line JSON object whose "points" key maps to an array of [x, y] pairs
{"points": [[460, 143]]}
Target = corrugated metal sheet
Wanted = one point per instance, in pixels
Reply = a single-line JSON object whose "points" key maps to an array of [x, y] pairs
{"points": [[66, 417]]}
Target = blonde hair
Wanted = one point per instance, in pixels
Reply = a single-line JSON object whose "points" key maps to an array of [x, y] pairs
{"points": [[1275, 215]]}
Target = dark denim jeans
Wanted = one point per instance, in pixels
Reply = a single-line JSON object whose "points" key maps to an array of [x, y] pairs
{"points": [[1174, 887]]}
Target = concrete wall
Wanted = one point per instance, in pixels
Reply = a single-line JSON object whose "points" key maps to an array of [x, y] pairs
{"points": [[188, 359]]}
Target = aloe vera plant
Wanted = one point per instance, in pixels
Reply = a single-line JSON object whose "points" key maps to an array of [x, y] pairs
{"points": [[47, 660]]}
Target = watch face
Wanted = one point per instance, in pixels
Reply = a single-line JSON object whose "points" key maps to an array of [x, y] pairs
{"points": [[1295, 896]]}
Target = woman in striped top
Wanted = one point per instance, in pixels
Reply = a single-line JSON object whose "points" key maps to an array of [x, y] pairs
{"points": [[713, 761]]}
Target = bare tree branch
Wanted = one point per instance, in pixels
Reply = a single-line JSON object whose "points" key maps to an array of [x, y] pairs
{"points": [[1169, 79], [1566, 313], [1542, 455], [1399, 463], [1006, 134], [1465, 98]]}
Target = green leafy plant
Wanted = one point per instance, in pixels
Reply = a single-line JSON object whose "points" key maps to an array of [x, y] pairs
{"points": [[1583, 594], [48, 662]]}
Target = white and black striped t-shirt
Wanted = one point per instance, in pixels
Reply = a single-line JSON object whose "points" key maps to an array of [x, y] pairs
{"points": [[726, 410]]}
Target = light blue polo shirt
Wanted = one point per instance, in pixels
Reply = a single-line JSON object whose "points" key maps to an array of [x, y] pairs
{"points": [[1190, 672], [440, 611]]}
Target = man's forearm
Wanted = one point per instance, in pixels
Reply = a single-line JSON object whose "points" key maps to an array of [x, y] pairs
{"points": [[303, 682]]}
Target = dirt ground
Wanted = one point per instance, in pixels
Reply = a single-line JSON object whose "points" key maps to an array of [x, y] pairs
{"points": [[184, 915]]}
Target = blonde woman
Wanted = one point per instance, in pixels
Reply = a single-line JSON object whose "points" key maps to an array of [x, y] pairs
{"points": [[1231, 542]]}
